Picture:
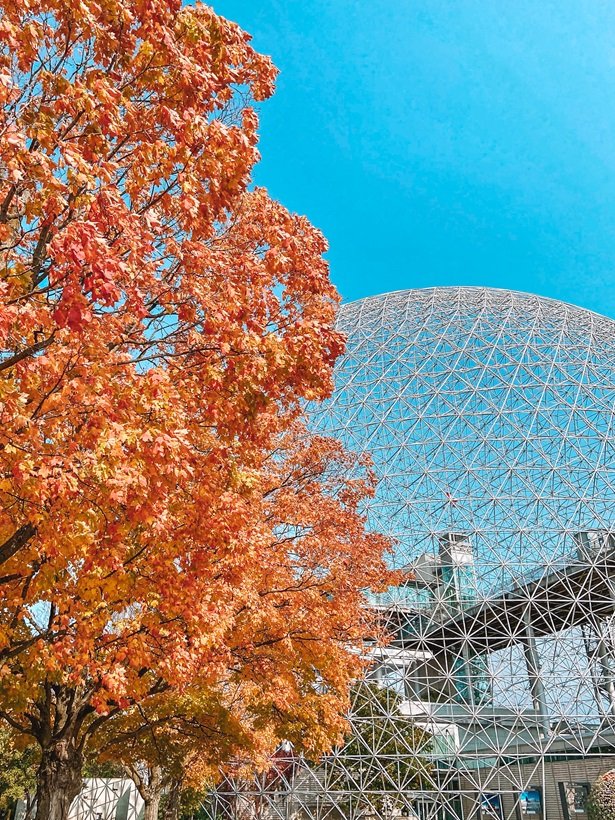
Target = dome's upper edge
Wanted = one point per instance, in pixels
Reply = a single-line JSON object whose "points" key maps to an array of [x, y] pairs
{"points": [[474, 290]]}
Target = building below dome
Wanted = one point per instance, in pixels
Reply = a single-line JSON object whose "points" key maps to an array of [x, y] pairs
{"points": [[489, 416]]}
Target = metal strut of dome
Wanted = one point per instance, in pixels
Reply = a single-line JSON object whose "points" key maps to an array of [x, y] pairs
{"points": [[489, 416]]}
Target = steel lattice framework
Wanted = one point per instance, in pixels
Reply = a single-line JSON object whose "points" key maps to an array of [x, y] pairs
{"points": [[489, 418]]}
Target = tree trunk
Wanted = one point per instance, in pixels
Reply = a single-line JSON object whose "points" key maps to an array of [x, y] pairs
{"points": [[173, 806], [59, 780], [152, 804], [149, 785]]}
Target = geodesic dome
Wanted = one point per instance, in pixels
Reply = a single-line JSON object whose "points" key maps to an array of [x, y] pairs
{"points": [[486, 412], [489, 418]]}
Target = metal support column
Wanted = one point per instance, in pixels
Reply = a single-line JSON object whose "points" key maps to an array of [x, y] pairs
{"points": [[537, 688], [467, 672], [606, 664], [605, 653]]}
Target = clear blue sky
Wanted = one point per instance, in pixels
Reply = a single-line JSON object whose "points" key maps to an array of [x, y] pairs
{"points": [[440, 143]]}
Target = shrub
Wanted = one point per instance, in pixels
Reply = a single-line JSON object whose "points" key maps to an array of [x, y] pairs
{"points": [[601, 803]]}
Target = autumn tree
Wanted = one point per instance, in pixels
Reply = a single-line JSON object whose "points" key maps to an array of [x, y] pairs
{"points": [[162, 512], [174, 742]]}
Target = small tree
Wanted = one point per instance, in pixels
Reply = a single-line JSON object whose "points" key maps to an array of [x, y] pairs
{"points": [[18, 765], [385, 756], [601, 802], [173, 741]]}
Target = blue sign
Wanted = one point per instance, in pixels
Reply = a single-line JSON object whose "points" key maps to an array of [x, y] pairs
{"points": [[530, 802]]}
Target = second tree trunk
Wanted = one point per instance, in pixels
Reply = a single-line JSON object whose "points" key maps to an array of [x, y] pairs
{"points": [[59, 781]]}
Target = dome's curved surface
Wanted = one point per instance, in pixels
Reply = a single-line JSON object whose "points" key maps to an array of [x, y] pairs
{"points": [[486, 412]]}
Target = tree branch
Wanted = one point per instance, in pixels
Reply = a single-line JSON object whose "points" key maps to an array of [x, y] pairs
{"points": [[19, 539], [26, 352]]}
